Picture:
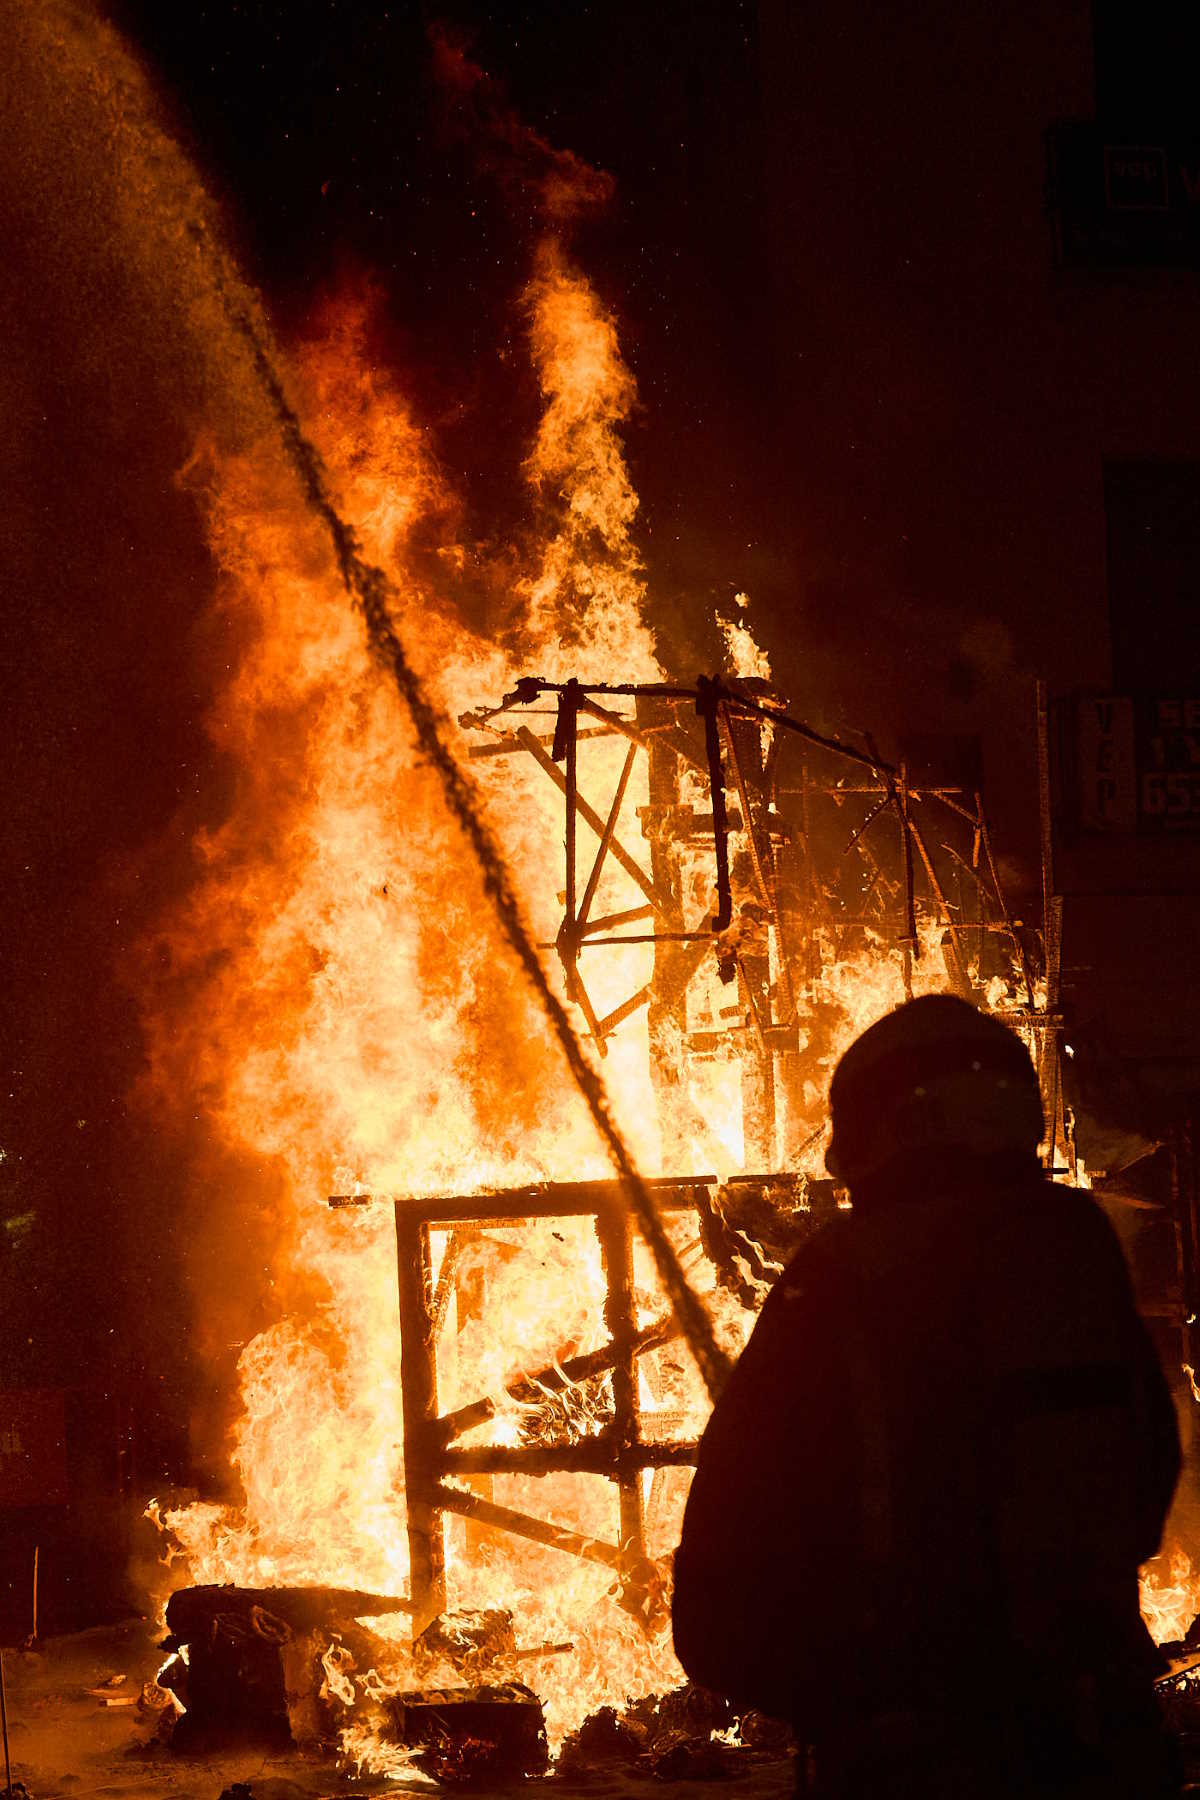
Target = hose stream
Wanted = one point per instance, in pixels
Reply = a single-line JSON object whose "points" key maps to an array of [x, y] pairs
{"points": [[375, 596]]}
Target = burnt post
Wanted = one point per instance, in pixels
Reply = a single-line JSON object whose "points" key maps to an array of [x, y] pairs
{"points": [[908, 937], [754, 872], [1049, 1059], [1182, 1174], [418, 1379], [566, 749], [667, 1010], [614, 1229]]}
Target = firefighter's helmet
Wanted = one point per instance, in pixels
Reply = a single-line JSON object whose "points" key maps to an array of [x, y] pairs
{"points": [[934, 1076]]}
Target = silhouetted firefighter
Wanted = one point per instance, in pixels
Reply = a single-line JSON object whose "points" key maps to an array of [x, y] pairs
{"points": [[923, 1497]]}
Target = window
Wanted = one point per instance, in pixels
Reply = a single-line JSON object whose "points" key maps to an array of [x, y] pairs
{"points": [[1146, 60]]}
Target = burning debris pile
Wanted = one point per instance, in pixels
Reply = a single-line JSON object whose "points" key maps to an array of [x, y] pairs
{"points": [[275, 1668], [310, 1669]]}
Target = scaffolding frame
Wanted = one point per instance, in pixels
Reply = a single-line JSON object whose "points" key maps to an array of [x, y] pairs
{"points": [[747, 803], [435, 1464], [619, 1452]]}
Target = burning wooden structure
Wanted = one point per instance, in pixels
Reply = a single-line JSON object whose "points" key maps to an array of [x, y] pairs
{"points": [[754, 868], [778, 890], [619, 1451], [754, 877]]}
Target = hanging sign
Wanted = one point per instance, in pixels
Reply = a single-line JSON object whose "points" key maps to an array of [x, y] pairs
{"points": [[1168, 757], [1108, 788]]}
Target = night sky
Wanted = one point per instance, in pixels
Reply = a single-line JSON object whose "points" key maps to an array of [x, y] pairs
{"points": [[336, 152]]}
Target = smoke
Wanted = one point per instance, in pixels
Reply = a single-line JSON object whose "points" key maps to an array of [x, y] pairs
{"points": [[555, 186], [118, 354]]}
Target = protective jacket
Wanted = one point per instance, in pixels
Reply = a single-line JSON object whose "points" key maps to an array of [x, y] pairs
{"points": [[931, 1479]]}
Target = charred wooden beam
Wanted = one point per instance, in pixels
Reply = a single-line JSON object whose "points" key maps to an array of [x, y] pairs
{"points": [[191, 1610], [629, 728], [591, 817], [614, 1231], [566, 749], [762, 879], [626, 1010], [523, 1525], [962, 975], [508, 745], [550, 1200], [447, 1273], [606, 836], [839, 790], [708, 705], [418, 1382], [576, 991], [555, 1377], [602, 1455], [610, 921]]}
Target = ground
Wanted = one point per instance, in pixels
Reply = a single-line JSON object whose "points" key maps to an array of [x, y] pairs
{"points": [[66, 1743]]}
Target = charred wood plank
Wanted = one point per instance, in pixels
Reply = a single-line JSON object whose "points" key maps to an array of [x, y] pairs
{"points": [[191, 1610], [600, 1455], [418, 1384], [550, 1200], [523, 1525]]}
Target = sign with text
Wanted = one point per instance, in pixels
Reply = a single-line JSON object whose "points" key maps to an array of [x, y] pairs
{"points": [[1107, 769], [1168, 757], [33, 1447], [1138, 764], [1122, 202]]}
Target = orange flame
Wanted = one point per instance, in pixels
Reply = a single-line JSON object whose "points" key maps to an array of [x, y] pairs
{"points": [[339, 1004], [1170, 1595]]}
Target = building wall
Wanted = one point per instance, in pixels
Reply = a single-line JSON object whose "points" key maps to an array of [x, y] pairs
{"points": [[946, 397]]}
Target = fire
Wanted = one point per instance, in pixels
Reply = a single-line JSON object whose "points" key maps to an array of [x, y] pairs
{"points": [[1170, 1595], [333, 1002], [743, 655], [586, 600], [340, 1005]]}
